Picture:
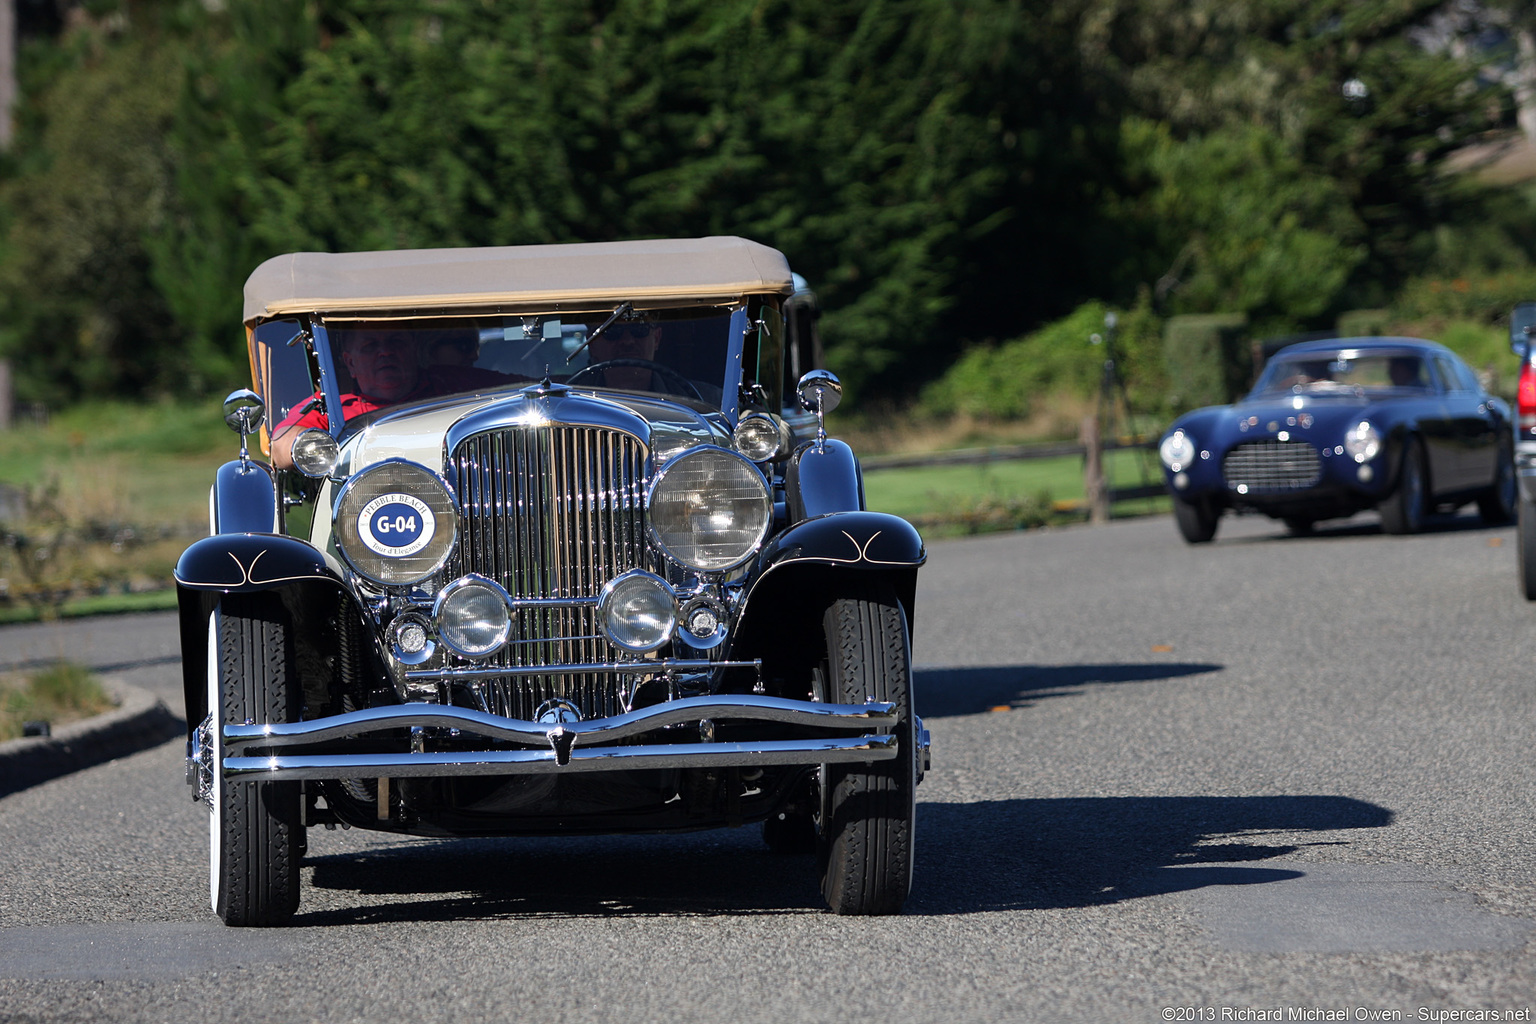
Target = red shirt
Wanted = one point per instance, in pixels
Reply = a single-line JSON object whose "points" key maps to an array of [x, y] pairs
{"points": [[435, 380]]}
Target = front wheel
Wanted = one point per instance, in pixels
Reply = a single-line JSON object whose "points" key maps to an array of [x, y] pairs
{"points": [[868, 811], [255, 839], [1497, 504], [1403, 511], [1196, 519]]}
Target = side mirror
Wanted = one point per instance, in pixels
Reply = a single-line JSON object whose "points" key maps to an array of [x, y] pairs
{"points": [[243, 411], [820, 391], [1521, 321]]}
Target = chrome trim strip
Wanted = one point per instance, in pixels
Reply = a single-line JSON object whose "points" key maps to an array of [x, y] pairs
{"points": [[633, 668], [330, 386], [873, 714], [531, 762]]}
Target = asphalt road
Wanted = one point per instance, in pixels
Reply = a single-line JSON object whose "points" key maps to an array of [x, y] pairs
{"points": [[1271, 774]]}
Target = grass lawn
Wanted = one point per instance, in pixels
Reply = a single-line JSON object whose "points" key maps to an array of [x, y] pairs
{"points": [[110, 493], [927, 493], [122, 462]]}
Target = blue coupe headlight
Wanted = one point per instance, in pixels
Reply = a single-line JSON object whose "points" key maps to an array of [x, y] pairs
{"points": [[1177, 451], [1362, 442]]}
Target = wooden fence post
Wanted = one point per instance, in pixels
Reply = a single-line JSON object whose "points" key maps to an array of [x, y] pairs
{"points": [[1094, 485]]}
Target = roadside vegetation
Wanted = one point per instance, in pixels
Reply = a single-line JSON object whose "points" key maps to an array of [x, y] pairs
{"points": [[62, 692], [97, 504]]}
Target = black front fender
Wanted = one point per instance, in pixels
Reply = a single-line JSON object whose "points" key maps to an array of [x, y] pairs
{"points": [[805, 567], [242, 563], [867, 541]]}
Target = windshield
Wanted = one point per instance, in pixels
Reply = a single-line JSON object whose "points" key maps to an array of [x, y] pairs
{"points": [[681, 353], [1343, 370]]}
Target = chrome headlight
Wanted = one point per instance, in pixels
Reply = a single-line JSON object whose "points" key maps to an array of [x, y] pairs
{"points": [[760, 437], [473, 616], [1362, 441], [315, 453], [1177, 451], [637, 611], [395, 523], [710, 509]]}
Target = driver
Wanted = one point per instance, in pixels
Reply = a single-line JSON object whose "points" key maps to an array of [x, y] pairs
{"points": [[632, 345], [386, 364], [634, 339], [1404, 372]]}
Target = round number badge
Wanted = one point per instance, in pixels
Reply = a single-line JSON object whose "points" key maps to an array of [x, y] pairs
{"points": [[396, 525]]}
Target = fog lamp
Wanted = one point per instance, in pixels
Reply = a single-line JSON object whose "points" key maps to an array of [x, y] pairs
{"points": [[474, 616], [637, 611], [410, 639], [704, 622]]}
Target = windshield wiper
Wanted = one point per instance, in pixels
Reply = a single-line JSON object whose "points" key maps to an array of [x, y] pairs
{"points": [[618, 311]]}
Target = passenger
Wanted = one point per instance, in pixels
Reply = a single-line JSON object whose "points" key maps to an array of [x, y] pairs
{"points": [[386, 364], [460, 347], [1405, 371]]}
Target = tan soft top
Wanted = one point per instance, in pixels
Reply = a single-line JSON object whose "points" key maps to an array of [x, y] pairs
{"points": [[664, 269]]}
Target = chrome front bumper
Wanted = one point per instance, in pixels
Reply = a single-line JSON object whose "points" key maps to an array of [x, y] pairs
{"points": [[562, 747]]}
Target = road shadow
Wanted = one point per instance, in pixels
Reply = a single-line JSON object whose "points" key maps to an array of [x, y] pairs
{"points": [[983, 857], [1093, 851], [941, 692], [702, 874], [1365, 525]]}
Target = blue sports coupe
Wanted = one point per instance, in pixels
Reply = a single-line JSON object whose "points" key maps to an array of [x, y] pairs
{"points": [[1334, 427]]}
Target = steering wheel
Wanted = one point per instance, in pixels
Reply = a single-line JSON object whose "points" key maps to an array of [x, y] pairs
{"points": [[676, 383]]}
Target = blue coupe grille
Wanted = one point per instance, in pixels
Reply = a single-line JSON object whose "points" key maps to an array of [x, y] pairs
{"points": [[1271, 465]]}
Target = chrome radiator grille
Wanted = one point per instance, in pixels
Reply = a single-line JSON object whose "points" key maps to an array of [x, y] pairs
{"points": [[1271, 465], [551, 512]]}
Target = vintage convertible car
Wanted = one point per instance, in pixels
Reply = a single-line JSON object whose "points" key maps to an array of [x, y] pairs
{"points": [[553, 541], [1339, 426]]}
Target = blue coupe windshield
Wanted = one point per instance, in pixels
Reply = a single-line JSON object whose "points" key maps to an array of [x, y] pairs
{"points": [[1343, 370]]}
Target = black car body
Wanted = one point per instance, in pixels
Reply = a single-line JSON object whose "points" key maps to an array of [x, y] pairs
{"points": [[1335, 427], [567, 596]]}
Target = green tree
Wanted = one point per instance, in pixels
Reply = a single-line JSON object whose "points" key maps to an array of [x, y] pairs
{"points": [[887, 147], [1353, 103], [83, 201], [1258, 232]]}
